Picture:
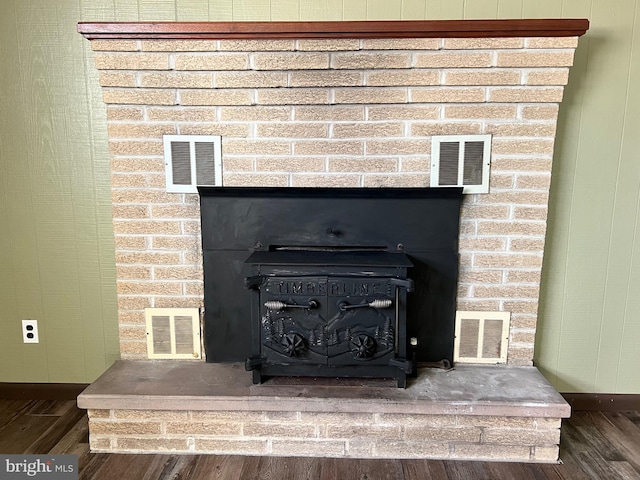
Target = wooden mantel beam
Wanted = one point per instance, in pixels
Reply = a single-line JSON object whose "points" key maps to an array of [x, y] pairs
{"points": [[556, 27]]}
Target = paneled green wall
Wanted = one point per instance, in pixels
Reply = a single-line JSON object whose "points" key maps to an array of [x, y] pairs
{"points": [[56, 250]]}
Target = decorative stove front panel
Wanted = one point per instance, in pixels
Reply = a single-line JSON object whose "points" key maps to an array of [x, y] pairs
{"points": [[329, 314]]}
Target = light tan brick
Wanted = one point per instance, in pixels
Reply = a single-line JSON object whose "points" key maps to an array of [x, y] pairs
{"points": [[256, 180], [401, 449], [363, 164], [506, 291], [330, 78], [177, 273], [480, 111], [329, 147], [534, 182], [522, 129], [129, 316], [327, 181], [132, 333], [110, 79], [530, 213], [547, 77], [203, 428], [496, 260], [115, 112], [332, 418], [478, 305], [257, 45], [94, 413], [402, 77], [256, 147], [539, 112], [251, 80], [176, 80], [456, 434], [195, 288], [522, 147], [226, 416], [523, 276], [552, 42], [225, 61], [175, 211], [501, 180], [526, 244], [115, 45], [483, 43], [447, 95], [511, 228], [521, 164], [275, 430], [401, 43], [370, 95], [546, 454], [130, 211], [132, 180], [397, 147], [522, 355], [491, 452], [348, 431], [141, 196], [231, 446], [124, 147], [526, 95], [523, 320], [181, 301], [249, 114], [147, 258], [523, 337], [311, 448], [126, 272], [504, 436], [124, 428], [179, 45], [416, 420], [409, 112], [170, 415], [182, 114], [368, 129], [534, 58], [293, 96], [395, 181], [482, 77], [445, 59], [415, 164], [485, 211], [152, 444], [332, 113], [291, 164], [222, 129], [138, 96], [146, 227], [148, 288], [327, 45], [480, 276], [190, 228], [132, 349], [293, 130], [367, 60], [290, 61], [143, 130], [215, 97], [482, 244], [495, 422], [99, 444], [132, 61]]}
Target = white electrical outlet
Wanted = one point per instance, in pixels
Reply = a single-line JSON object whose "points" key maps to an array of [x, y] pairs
{"points": [[30, 331]]}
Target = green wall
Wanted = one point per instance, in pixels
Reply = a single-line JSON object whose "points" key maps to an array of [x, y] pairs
{"points": [[56, 248]]}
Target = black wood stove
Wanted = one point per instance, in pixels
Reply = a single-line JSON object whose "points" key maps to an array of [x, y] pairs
{"points": [[330, 282], [329, 312]]}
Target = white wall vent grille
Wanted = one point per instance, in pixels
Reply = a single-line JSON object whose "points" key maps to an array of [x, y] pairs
{"points": [[191, 161], [461, 161], [481, 337], [173, 332]]}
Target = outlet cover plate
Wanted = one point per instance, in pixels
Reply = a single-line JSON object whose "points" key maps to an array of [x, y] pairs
{"points": [[30, 331]]}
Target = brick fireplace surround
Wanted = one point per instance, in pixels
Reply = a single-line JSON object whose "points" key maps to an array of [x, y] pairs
{"points": [[332, 104]]}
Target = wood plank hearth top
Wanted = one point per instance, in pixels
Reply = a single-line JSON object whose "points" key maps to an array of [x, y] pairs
{"points": [[556, 27], [466, 390]]}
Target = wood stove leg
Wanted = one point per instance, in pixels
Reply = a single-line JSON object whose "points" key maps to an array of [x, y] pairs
{"points": [[401, 378], [257, 377]]}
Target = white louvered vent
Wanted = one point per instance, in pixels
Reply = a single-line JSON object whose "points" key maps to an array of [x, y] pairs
{"points": [[173, 332], [481, 337], [461, 161], [192, 161]]}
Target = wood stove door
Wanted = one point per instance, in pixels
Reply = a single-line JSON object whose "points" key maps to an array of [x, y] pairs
{"points": [[293, 320], [362, 321]]}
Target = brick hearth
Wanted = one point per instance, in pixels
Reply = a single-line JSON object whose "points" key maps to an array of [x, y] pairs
{"points": [[473, 412]]}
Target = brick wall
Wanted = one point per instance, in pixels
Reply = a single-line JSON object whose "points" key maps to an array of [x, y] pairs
{"points": [[336, 113]]}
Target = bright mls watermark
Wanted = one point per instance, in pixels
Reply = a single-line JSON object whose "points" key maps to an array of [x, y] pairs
{"points": [[50, 467]]}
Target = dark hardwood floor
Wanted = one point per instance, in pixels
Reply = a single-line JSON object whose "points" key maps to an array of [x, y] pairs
{"points": [[595, 445]]}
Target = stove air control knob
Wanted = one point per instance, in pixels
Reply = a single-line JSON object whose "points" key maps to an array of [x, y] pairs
{"points": [[293, 344], [363, 346]]}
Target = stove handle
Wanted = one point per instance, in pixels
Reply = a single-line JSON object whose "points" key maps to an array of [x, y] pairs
{"points": [[377, 303], [277, 305]]}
